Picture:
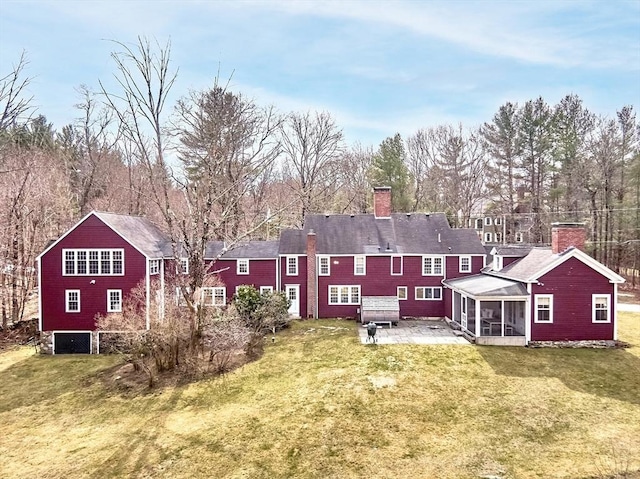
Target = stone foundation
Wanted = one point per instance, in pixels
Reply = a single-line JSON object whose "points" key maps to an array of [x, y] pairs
{"points": [[46, 342], [597, 344]]}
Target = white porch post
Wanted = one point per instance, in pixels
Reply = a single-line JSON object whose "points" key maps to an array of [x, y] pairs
{"points": [[527, 316], [478, 303], [502, 317]]}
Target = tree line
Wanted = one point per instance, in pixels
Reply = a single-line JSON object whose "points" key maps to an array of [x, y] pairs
{"points": [[216, 165]]}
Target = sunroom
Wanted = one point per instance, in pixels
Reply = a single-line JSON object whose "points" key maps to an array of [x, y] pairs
{"points": [[493, 310]]}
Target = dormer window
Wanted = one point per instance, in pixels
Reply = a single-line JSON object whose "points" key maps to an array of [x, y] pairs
{"points": [[497, 263]]}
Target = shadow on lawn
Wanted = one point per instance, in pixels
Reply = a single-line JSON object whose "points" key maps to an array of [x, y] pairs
{"points": [[613, 373]]}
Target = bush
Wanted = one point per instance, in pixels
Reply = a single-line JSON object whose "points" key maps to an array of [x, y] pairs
{"points": [[262, 312]]}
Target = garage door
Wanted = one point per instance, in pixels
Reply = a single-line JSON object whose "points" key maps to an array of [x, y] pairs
{"points": [[72, 343]]}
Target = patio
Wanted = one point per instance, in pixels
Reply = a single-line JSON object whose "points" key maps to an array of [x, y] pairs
{"points": [[414, 332]]}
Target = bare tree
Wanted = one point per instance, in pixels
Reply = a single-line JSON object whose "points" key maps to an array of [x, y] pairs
{"points": [[13, 103], [352, 179], [312, 143]]}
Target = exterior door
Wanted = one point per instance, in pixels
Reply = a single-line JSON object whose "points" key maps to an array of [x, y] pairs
{"points": [[293, 293], [463, 307]]}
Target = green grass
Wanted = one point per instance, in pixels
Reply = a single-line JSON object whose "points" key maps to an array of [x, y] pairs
{"points": [[319, 404]]}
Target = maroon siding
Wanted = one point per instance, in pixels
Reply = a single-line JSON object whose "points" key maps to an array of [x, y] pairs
{"points": [[300, 279], [572, 284], [453, 266], [262, 272], [507, 260], [92, 233]]}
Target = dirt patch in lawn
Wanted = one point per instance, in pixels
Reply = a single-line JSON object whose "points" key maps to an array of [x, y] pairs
{"points": [[18, 334]]}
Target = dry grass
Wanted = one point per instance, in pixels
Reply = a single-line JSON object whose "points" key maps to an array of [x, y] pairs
{"points": [[320, 405]]}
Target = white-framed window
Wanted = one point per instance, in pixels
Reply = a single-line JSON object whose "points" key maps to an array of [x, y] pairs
{"points": [[292, 266], [114, 300], [216, 296], [72, 300], [180, 301], [601, 308], [497, 263], [154, 266], [498, 221], [479, 223], [396, 265], [498, 237], [543, 308], [402, 293], [428, 293], [487, 237], [184, 266], [432, 265], [465, 264], [324, 265], [359, 265], [266, 289], [487, 221], [518, 237], [242, 266], [93, 262], [344, 294]]}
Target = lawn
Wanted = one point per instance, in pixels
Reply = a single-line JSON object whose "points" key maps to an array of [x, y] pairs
{"points": [[320, 405]]}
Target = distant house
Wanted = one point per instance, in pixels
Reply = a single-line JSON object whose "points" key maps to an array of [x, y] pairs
{"points": [[326, 267]]}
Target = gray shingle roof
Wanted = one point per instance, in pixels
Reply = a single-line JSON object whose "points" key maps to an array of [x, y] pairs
{"points": [[513, 250], [416, 233], [485, 285], [140, 232], [527, 267], [249, 249]]}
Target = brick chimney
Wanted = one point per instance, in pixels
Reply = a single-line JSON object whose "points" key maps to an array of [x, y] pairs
{"points": [[565, 235], [311, 274], [382, 202]]}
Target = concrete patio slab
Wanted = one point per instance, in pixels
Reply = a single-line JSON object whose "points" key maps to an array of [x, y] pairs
{"points": [[415, 332]]}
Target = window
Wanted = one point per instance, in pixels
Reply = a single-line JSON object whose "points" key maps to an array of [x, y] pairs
{"points": [[396, 265], [432, 265], [359, 265], [402, 293], [324, 268], [497, 263], [601, 312], [498, 237], [83, 262], [266, 289], [183, 265], [72, 301], [344, 294], [154, 266], [479, 224], [214, 296], [180, 301], [292, 266], [465, 264], [544, 308], [487, 221], [114, 300], [498, 221], [428, 293], [518, 237], [242, 266], [487, 237]]}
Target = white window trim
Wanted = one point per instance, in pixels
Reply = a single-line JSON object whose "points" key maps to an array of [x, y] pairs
{"points": [[593, 308], [487, 237], [518, 237], [406, 293], [180, 301], [433, 258], [154, 266], [239, 269], [550, 297], [468, 270], [352, 288], [479, 223], [487, 221], [266, 289], [424, 288], [498, 221], [86, 261], [401, 265], [356, 259], [118, 309], [183, 266], [287, 259], [328, 265], [498, 237], [66, 300], [213, 295]]}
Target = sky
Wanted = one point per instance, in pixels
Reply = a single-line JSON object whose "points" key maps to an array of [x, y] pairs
{"points": [[378, 67]]}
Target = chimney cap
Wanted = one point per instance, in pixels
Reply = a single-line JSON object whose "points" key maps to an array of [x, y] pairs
{"points": [[311, 232], [568, 224], [381, 188]]}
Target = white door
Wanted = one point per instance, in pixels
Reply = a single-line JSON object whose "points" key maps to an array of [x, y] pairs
{"points": [[293, 293]]}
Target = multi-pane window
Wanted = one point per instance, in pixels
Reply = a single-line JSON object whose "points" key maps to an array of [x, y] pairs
{"points": [[114, 300], [324, 268], [428, 293], [344, 294], [72, 301], [242, 266], [498, 237], [292, 266], [402, 293], [544, 308], [487, 221], [479, 223], [465, 264], [154, 266], [432, 265], [498, 221], [487, 237], [214, 296], [518, 237], [359, 265], [184, 266], [601, 312], [82, 262], [266, 289]]}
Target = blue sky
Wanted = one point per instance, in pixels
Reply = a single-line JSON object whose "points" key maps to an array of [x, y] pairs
{"points": [[377, 67]]}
